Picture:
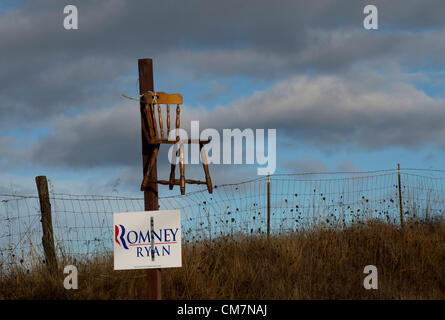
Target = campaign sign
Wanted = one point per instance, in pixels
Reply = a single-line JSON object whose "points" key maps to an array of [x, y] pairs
{"points": [[147, 239]]}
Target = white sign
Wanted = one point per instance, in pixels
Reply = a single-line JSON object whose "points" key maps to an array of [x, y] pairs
{"points": [[147, 239]]}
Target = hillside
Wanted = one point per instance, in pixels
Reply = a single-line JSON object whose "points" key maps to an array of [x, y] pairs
{"points": [[317, 264]]}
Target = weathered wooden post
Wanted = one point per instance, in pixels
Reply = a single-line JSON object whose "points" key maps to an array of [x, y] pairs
{"points": [[47, 225], [151, 203]]}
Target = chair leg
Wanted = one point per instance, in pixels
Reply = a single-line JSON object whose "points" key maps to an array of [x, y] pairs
{"points": [[182, 168], [173, 167], [151, 164], [206, 168]]}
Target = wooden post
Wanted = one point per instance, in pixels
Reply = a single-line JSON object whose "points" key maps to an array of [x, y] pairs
{"points": [[47, 226], [268, 206], [400, 197], [145, 67]]}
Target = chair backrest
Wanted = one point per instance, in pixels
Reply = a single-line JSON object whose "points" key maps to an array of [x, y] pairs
{"points": [[159, 98]]}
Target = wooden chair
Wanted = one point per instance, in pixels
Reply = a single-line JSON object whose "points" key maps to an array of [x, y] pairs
{"points": [[157, 137]]}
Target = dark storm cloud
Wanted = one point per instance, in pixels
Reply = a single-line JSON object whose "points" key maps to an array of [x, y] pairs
{"points": [[46, 70]]}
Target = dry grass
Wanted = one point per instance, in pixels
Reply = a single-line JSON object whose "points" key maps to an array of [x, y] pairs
{"points": [[323, 264]]}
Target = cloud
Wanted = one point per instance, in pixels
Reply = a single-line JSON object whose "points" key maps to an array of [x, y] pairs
{"points": [[306, 166], [107, 137], [336, 111], [312, 165], [348, 166], [335, 84], [12, 155], [329, 112], [46, 70], [5, 145]]}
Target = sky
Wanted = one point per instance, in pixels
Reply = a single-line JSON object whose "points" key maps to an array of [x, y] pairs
{"points": [[342, 98]]}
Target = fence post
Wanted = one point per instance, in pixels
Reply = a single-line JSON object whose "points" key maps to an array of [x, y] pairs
{"points": [[268, 205], [400, 197], [151, 201], [47, 225]]}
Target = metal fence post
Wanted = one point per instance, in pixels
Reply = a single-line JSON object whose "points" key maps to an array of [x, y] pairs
{"points": [[400, 197], [268, 205]]}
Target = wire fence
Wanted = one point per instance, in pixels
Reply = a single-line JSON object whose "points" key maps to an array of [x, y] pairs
{"points": [[83, 224]]}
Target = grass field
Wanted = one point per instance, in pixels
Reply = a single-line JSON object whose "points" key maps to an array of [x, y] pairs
{"points": [[317, 264]]}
